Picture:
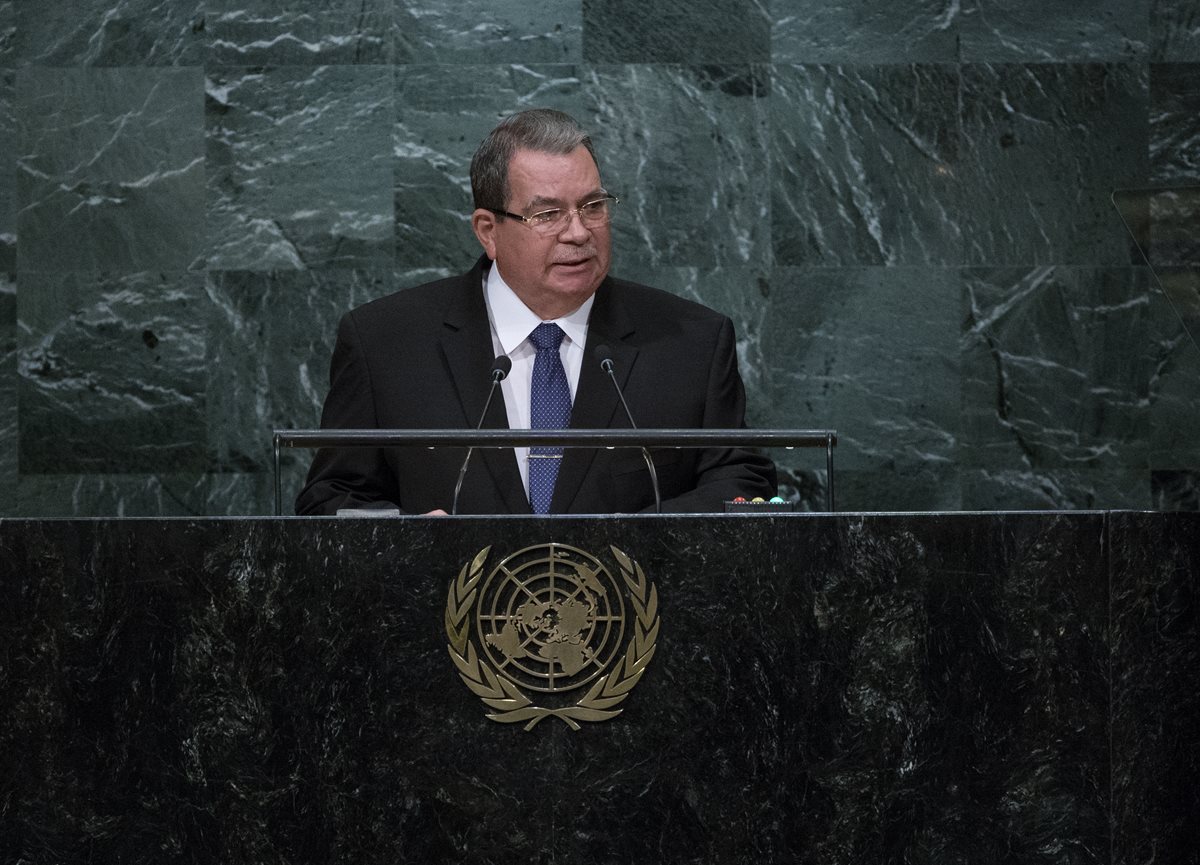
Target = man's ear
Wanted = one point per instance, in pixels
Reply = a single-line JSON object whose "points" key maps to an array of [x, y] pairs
{"points": [[483, 223]]}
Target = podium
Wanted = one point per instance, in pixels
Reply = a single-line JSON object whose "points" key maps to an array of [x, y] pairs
{"points": [[1001, 687]]}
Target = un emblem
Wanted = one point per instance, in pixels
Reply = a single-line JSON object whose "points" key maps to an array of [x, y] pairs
{"points": [[546, 622]]}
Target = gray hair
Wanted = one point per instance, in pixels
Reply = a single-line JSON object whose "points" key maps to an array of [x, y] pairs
{"points": [[541, 129]]}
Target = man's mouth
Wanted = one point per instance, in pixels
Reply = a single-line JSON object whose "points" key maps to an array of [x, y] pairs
{"points": [[578, 259]]}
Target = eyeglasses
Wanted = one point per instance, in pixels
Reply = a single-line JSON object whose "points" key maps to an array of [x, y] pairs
{"points": [[593, 214]]}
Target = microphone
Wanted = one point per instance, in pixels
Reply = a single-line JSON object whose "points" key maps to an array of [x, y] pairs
{"points": [[501, 367], [606, 364]]}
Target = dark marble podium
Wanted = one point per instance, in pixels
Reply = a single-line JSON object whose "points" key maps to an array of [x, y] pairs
{"points": [[943, 688]]}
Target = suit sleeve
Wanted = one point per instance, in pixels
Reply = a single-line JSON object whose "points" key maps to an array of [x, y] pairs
{"points": [[723, 474], [348, 477]]}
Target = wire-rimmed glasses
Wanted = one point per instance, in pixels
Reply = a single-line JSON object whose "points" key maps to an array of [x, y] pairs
{"points": [[593, 214]]}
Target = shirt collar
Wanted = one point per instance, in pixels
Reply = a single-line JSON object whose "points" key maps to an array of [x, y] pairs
{"points": [[513, 321]]}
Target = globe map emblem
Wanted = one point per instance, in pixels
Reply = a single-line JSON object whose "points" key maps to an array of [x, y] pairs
{"points": [[550, 618]]}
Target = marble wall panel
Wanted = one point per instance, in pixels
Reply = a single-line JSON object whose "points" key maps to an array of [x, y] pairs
{"points": [[442, 113], [676, 31], [8, 173], [1054, 372], [110, 168], [865, 32], [111, 33], [266, 32], [489, 31], [242, 493], [8, 32], [112, 373], [268, 355], [219, 494], [124, 495], [1054, 31], [899, 485], [1173, 409], [868, 352], [647, 121], [1173, 245], [741, 136], [7, 274], [1181, 285], [864, 165], [1175, 123], [1050, 141], [8, 392], [1174, 31], [712, 121], [299, 167], [1175, 490], [748, 297], [1055, 488]]}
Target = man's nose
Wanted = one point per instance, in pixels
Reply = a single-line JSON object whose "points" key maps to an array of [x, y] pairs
{"points": [[574, 231]]}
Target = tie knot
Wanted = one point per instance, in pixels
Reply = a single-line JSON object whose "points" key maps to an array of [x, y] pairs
{"points": [[547, 335]]}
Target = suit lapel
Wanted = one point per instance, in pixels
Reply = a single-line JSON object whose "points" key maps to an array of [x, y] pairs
{"points": [[466, 343], [596, 403]]}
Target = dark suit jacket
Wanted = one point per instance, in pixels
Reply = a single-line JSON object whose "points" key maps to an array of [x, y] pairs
{"points": [[420, 358]]}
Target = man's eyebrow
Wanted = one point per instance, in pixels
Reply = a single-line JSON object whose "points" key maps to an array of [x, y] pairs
{"points": [[544, 201]]}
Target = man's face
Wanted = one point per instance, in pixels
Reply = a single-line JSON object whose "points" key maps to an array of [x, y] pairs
{"points": [[553, 274]]}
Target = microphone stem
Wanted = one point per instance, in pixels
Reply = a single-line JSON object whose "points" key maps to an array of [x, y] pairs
{"points": [[497, 377], [608, 368], [653, 479]]}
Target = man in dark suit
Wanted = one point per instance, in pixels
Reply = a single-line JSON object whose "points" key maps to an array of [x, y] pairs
{"points": [[541, 295]]}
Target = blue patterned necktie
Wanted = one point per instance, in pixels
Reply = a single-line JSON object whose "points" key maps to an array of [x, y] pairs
{"points": [[549, 408]]}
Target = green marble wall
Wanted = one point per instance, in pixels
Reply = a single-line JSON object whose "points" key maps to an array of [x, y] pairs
{"points": [[904, 207]]}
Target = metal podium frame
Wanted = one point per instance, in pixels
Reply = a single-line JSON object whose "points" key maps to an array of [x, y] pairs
{"points": [[588, 438]]}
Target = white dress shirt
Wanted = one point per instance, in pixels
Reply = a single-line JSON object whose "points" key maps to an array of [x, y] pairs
{"points": [[512, 322]]}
